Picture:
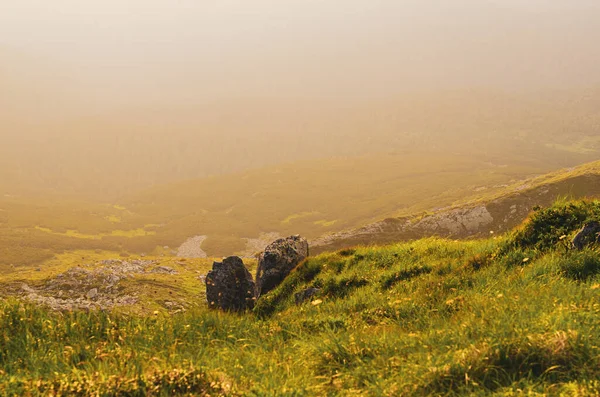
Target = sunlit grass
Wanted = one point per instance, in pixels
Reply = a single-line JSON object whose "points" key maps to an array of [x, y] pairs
{"points": [[325, 223], [140, 232], [301, 215], [113, 219]]}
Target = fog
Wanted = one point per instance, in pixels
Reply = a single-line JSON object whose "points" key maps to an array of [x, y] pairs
{"points": [[159, 90]]}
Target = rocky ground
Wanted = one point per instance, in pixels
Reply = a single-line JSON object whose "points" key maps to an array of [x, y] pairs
{"points": [[192, 248], [92, 286], [493, 216]]}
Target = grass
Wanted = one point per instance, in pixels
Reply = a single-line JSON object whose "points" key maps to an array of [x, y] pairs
{"points": [[140, 232], [429, 317]]}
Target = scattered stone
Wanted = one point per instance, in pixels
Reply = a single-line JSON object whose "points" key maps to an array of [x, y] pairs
{"points": [[90, 289], [163, 270], [229, 286], [587, 235], [278, 260], [192, 248], [305, 295]]}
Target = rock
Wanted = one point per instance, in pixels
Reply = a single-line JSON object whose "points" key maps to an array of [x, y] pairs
{"points": [[92, 293], [305, 295], [163, 270], [229, 286], [192, 248], [278, 260], [587, 235]]}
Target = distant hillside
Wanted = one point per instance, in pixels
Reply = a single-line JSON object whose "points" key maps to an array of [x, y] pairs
{"points": [[108, 156], [240, 213], [335, 203], [495, 210], [310, 197]]}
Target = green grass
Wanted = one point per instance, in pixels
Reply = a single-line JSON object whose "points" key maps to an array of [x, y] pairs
{"points": [[430, 317]]}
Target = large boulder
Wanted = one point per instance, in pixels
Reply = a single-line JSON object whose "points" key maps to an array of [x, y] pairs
{"points": [[278, 260], [587, 235], [229, 286]]}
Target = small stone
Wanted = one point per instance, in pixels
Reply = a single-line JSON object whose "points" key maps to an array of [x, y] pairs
{"points": [[92, 293], [587, 235], [305, 295], [163, 270]]}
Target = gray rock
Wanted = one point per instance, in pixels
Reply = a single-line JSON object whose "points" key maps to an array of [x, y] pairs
{"points": [[229, 286], [92, 293], [278, 260], [305, 295], [163, 270], [587, 235]]}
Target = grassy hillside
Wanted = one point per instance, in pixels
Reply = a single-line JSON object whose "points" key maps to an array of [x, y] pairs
{"points": [[502, 316], [487, 210]]}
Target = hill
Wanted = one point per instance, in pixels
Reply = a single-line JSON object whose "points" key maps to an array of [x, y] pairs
{"points": [[506, 315], [489, 211]]}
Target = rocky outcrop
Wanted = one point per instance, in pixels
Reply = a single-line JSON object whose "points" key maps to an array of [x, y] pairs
{"points": [[229, 286], [498, 213], [449, 223], [456, 221], [278, 260], [93, 288], [589, 234], [192, 248]]}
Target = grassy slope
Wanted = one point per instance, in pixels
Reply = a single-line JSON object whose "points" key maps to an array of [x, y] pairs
{"points": [[433, 317], [507, 205], [312, 198]]}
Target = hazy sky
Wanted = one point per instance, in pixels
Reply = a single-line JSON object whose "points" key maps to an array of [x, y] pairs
{"points": [[144, 51], [159, 90]]}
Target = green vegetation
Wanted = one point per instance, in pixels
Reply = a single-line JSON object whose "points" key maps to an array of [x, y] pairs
{"points": [[509, 315]]}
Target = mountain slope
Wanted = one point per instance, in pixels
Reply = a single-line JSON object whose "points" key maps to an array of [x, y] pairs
{"points": [[491, 211], [312, 197]]}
